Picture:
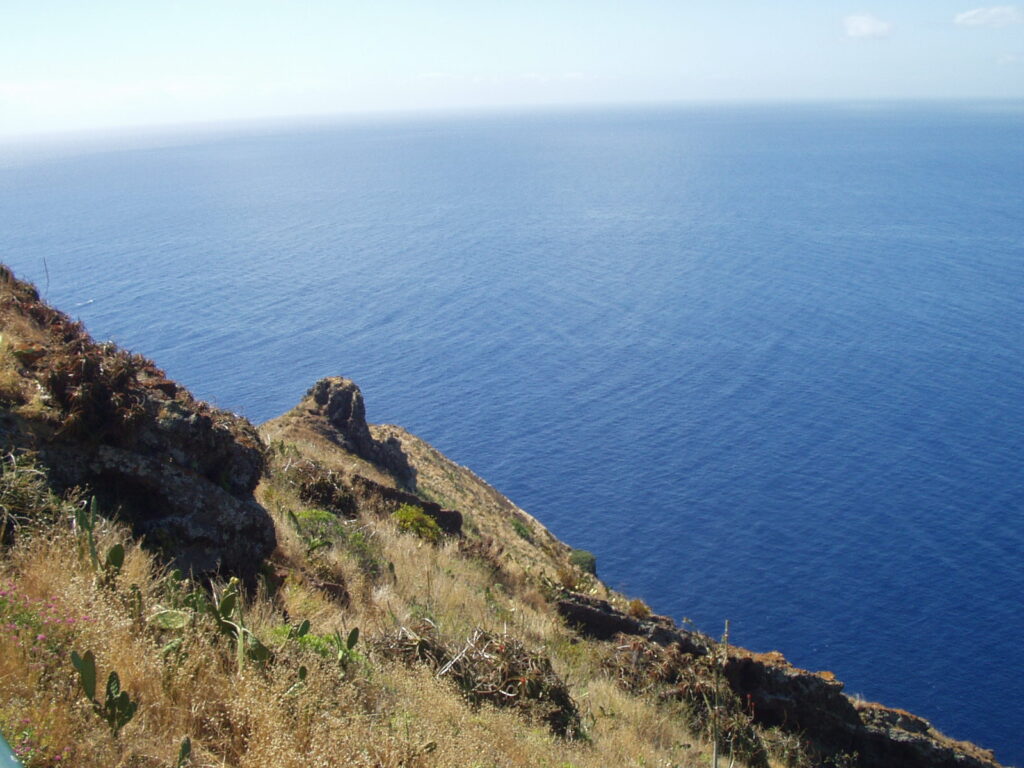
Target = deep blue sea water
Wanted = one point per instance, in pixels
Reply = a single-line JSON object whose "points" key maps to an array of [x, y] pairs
{"points": [[765, 362]]}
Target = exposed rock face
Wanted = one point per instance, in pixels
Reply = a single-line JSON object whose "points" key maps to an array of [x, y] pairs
{"points": [[807, 703], [795, 699], [178, 471], [333, 409], [337, 410], [203, 527], [183, 480], [597, 618], [340, 402]]}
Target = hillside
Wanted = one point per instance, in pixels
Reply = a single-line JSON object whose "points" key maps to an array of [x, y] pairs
{"points": [[321, 591]]}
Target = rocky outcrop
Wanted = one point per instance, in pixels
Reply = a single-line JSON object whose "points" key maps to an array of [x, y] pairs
{"points": [[333, 409], [597, 618], [200, 526], [336, 410], [795, 700], [340, 403], [386, 500], [179, 472], [897, 738], [811, 705]]}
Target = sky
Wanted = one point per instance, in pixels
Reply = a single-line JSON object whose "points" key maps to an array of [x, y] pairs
{"points": [[68, 65]]}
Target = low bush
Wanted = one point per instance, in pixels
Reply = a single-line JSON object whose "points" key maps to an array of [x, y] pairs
{"points": [[638, 609], [414, 520], [584, 560]]}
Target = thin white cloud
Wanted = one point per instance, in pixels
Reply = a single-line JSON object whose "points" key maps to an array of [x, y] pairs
{"points": [[864, 25], [992, 16]]}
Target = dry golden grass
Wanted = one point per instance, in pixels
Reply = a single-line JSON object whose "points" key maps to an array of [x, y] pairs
{"points": [[11, 383], [377, 714], [370, 712], [314, 702], [19, 338]]}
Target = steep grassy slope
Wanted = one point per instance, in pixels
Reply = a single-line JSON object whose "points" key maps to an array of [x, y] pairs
{"points": [[481, 641]]}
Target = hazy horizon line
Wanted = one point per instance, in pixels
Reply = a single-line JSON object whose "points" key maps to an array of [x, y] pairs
{"points": [[157, 129]]}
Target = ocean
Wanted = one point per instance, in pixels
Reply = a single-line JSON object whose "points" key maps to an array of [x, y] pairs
{"points": [[766, 362]]}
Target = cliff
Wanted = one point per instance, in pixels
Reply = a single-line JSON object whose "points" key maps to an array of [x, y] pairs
{"points": [[180, 473], [652, 649], [480, 638]]}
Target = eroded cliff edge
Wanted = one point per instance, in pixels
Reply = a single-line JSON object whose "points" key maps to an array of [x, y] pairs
{"points": [[179, 472], [214, 497], [650, 651]]}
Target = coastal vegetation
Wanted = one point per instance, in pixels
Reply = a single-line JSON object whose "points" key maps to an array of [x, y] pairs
{"points": [[178, 589]]}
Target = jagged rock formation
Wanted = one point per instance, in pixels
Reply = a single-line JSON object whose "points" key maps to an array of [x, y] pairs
{"points": [[807, 704], [182, 474], [333, 410], [810, 704], [178, 471]]}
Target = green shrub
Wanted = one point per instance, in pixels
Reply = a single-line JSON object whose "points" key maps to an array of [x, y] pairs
{"points": [[521, 528], [316, 516], [584, 560], [414, 520], [318, 528], [321, 645]]}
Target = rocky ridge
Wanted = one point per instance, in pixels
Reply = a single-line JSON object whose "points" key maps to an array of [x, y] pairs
{"points": [[182, 475], [809, 704], [379, 475]]}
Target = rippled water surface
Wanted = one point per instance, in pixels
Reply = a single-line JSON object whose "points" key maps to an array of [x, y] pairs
{"points": [[765, 362]]}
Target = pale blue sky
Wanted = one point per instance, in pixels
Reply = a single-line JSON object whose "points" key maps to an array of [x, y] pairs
{"points": [[74, 64]]}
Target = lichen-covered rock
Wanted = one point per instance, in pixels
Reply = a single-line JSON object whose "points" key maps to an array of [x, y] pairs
{"points": [[340, 402], [223, 448]]}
